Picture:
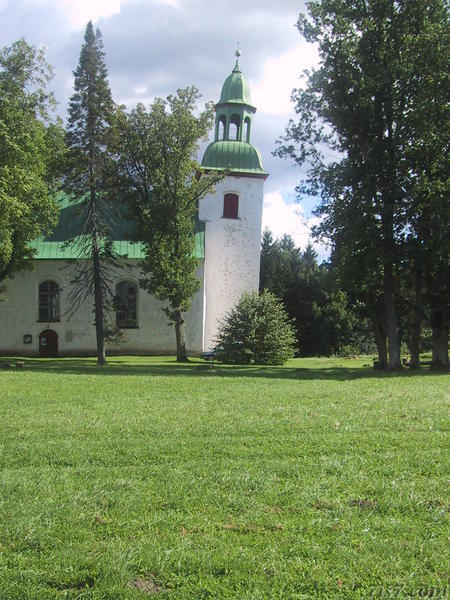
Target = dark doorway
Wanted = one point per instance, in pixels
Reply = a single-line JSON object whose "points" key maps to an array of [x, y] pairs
{"points": [[48, 343]]}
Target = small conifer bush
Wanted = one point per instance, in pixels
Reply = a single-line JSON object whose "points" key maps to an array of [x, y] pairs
{"points": [[257, 331]]}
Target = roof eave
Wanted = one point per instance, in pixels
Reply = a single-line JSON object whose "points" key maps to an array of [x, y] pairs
{"points": [[239, 172], [236, 103]]}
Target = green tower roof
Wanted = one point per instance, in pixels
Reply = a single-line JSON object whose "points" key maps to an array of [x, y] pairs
{"points": [[235, 89], [232, 149], [233, 155]]}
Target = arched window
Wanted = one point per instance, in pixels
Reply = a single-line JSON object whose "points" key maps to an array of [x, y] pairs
{"points": [[235, 123], [230, 206], [126, 305], [247, 129], [49, 301], [221, 124]]}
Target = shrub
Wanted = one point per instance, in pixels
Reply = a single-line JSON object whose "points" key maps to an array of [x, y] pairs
{"points": [[256, 331]]}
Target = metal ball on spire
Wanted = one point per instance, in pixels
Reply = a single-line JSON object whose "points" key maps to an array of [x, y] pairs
{"points": [[238, 52]]}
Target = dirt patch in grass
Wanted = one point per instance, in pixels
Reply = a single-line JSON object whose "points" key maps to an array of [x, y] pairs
{"points": [[321, 504], [148, 585]]}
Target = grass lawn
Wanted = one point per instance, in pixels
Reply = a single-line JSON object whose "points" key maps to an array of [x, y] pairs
{"points": [[320, 479]]}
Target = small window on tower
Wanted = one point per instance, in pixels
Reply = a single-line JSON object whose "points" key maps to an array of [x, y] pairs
{"points": [[230, 206]]}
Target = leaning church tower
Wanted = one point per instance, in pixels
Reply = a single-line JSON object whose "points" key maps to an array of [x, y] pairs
{"points": [[233, 211]]}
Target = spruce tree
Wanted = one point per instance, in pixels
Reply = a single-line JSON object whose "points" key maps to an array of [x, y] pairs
{"points": [[90, 116]]}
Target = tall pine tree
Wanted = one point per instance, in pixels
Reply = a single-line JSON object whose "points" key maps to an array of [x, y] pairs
{"points": [[90, 116]]}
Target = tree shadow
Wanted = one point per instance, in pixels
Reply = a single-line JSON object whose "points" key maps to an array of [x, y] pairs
{"points": [[197, 368]]}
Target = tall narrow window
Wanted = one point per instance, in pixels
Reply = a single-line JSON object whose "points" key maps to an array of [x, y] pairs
{"points": [[49, 301], [126, 305], [230, 206]]}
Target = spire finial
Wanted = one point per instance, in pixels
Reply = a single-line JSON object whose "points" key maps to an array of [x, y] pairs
{"points": [[237, 55]]}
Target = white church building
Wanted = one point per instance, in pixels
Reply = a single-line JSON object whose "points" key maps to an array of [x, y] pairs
{"points": [[34, 317]]}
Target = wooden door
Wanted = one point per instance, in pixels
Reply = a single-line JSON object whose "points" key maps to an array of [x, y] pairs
{"points": [[48, 343]]}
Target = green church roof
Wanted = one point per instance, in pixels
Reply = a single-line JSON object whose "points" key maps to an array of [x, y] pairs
{"points": [[235, 89], [234, 156], [55, 246]]}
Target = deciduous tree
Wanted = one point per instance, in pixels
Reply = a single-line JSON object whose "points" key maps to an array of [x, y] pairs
{"points": [[29, 145], [362, 102], [157, 156]]}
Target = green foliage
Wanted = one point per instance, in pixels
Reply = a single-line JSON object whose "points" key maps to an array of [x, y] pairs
{"points": [[157, 152], [30, 147], [256, 331], [91, 111], [323, 317], [372, 122]]}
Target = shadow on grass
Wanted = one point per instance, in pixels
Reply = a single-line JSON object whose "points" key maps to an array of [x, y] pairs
{"points": [[197, 368]]}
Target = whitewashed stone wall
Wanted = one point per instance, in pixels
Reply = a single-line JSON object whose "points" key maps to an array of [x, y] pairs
{"points": [[19, 315], [232, 249]]}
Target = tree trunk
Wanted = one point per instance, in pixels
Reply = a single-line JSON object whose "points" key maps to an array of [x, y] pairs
{"points": [[98, 302], [414, 339], [98, 296], [380, 341], [439, 360], [416, 323], [392, 327], [180, 331], [392, 331]]}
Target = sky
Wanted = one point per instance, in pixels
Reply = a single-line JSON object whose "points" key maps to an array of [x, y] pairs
{"points": [[154, 47]]}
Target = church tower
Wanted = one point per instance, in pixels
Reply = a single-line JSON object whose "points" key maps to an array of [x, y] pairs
{"points": [[233, 211]]}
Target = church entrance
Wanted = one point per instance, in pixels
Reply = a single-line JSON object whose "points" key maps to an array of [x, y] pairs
{"points": [[48, 343]]}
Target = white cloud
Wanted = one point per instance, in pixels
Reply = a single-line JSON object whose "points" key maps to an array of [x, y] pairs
{"points": [[272, 93], [79, 12], [283, 218], [172, 3]]}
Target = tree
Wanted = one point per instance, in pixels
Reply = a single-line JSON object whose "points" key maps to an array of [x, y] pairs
{"points": [[257, 331], [427, 48], [157, 159], [268, 271], [91, 112], [360, 103], [320, 311], [29, 147]]}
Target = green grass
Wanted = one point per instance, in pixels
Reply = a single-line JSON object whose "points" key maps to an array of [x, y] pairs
{"points": [[321, 479]]}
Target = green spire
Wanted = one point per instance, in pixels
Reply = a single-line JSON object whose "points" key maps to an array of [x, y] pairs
{"points": [[232, 147], [235, 89]]}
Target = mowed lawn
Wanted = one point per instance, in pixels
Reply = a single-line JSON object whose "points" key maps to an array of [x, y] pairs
{"points": [[320, 479]]}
